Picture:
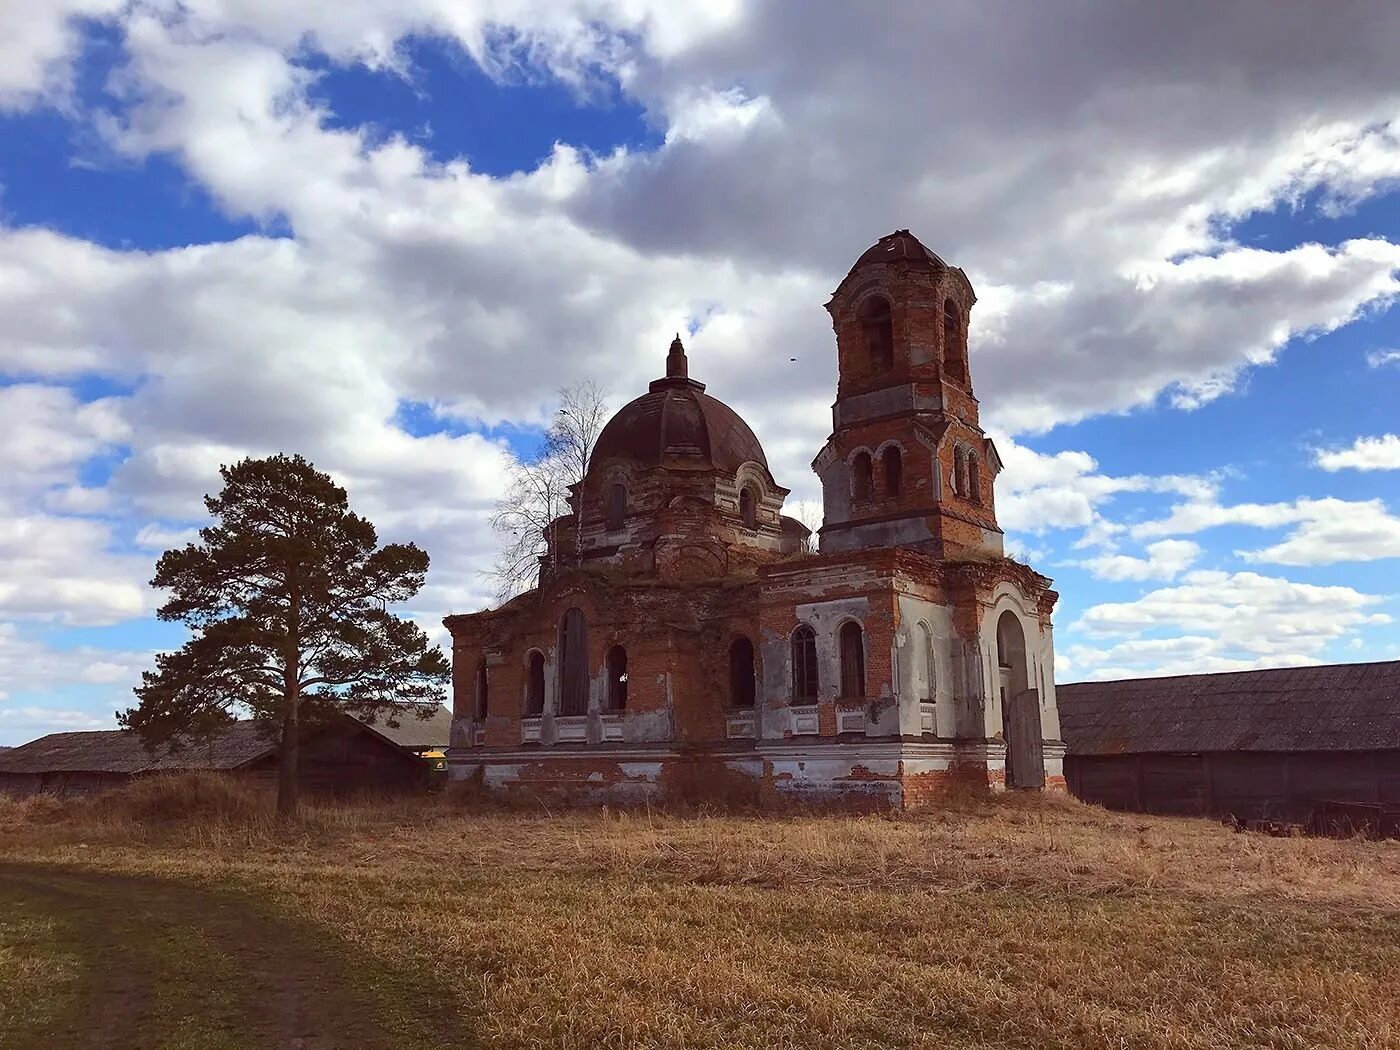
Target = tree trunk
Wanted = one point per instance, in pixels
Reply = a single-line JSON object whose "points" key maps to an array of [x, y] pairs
{"points": [[288, 781]]}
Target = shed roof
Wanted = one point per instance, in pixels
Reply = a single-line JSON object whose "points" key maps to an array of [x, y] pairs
{"points": [[122, 751], [1338, 707], [413, 731]]}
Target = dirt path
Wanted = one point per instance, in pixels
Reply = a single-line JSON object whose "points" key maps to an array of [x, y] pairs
{"points": [[168, 964]]}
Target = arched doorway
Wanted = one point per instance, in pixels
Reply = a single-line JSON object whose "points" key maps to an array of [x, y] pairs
{"points": [[1020, 707]]}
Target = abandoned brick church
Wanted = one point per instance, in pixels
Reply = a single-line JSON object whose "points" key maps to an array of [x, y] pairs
{"points": [[696, 639]]}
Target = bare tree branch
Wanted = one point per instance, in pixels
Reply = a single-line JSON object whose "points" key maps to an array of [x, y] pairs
{"points": [[537, 494]]}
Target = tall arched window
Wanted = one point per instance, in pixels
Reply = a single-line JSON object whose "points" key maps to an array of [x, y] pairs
{"points": [[748, 507], [954, 359], [534, 684], [974, 478], [573, 663], [852, 640], [617, 505], [741, 673], [930, 669], [959, 472], [861, 477], [483, 701], [617, 678], [892, 465], [879, 333], [804, 665]]}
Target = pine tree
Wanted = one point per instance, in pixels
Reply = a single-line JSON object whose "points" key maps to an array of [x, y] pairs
{"points": [[287, 597]]}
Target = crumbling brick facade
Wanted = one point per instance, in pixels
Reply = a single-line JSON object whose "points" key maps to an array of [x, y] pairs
{"points": [[689, 642]]}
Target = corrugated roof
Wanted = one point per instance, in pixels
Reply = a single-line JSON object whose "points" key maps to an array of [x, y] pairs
{"points": [[413, 731], [1338, 707], [122, 751]]}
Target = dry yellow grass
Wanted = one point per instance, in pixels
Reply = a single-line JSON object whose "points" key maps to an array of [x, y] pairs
{"points": [[1020, 923]]}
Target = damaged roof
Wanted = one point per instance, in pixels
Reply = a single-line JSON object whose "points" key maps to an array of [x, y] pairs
{"points": [[1338, 707], [122, 751]]}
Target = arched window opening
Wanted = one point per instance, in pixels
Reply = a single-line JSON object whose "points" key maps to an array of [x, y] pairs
{"points": [[852, 640], [534, 685], [748, 507], [959, 472], [879, 333], [804, 665], [954, 360], [741, 673], [930, 669], [483, 701], [617, 678], [974, 478], [861, 477], [573, 663], [617, 505], [892, 463]]}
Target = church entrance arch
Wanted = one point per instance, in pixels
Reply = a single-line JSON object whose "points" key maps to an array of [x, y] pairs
{"points": [[1020, 707]]}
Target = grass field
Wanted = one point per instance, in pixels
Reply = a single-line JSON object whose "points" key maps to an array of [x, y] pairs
{"points": [[1018, 923]]}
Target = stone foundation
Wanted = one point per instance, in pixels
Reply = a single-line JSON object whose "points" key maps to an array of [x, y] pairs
{"points": [[881, 775]]}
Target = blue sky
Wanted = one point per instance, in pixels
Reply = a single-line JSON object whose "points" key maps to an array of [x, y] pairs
{"points": [[385, 239]]}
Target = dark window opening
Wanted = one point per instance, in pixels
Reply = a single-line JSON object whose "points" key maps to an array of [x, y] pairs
{"points": [[534, 688], [742, 685], [617, 678], [617, 506], [861, 477], [954, 360], [879, 333], [573, 663], [974, 479], [893, 465], [748, 508], [804, 665], [959, 473], [852, 640], [483, 703]]}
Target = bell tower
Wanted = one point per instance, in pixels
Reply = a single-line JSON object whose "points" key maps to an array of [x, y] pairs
{"points": [[907, 464]]}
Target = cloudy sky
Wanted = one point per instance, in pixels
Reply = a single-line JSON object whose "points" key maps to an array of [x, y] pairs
{"points": [[382, 235]]}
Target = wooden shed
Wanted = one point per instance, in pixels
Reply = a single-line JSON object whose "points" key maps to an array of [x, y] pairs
{"points": [[342, 756], [1295, 745]]}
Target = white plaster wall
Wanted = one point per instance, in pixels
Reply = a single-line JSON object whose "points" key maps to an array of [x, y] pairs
{"points": [[912, 665], [1040, 659]]}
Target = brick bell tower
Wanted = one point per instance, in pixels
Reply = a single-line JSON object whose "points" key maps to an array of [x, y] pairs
{"points": [[907, 463]]}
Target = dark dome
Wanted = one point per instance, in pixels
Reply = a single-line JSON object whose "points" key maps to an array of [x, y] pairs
{"points": [[676, 423], [900, 246]]}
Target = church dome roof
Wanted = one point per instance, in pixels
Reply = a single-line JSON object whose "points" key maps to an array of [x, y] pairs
{"points": [[675, 423], [900, 246]]}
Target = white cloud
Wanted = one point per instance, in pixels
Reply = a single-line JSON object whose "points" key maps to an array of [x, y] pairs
{"points": [[1097, 235], [1366, 453], [38, 42], [1382, 358], [1038, 492], [1327, 531], [1336, 531], [1222, 621], [1166, 560], [28, 665]]}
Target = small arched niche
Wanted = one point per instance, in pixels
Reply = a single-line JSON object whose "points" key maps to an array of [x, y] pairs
{"points": [[862, 481], [892, 466], [852, 645]]}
